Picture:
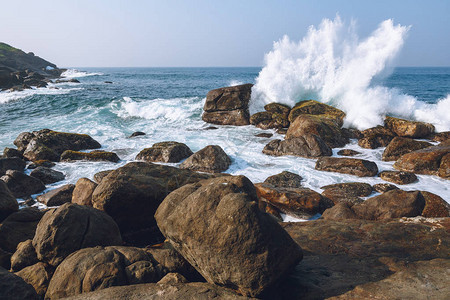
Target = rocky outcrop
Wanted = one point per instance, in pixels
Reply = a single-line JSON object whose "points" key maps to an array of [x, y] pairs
{"points": [[71, 227], [82, 193], [312, 107], [285, 179], [298, 202], [275, 116], [24, 256], [375, 137], [400, 145], [8, 203], [309, 145], [347, 192], [47, 144], [398, 177], [440, 137], [58, 196], [22, 185], [251, 252], [37, 275], [12, 287], [11, 163], [408, 128], [47, 175], [353, 166], [168, 152], [228, 105], [96, 155], [211, 159]]}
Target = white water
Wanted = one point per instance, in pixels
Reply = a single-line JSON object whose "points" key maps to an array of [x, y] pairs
{"points": [[51, 89], [73, 73], [333, 65]]}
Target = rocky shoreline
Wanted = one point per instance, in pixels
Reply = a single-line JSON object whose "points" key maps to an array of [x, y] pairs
{"points": [[147, 230]]}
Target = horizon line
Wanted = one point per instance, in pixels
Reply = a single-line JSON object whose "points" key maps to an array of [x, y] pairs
{"points": [[218, 67]]}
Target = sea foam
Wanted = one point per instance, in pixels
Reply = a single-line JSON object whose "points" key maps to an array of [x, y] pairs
{"points": [[332, 65], [73, 73]]}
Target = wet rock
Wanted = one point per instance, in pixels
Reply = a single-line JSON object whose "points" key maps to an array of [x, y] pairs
{"points": [[98, 177], [210, 159], [278, 108], [384, 187], [165, 152], [309, 145], [425, 161], [49, 145], [352, 133], [252, 251], [409, 128], [264, 135], [8, 203], [259, 117], [312, 107], [211, 128], [19, 227], [71, 227], [298, 202], [137, 133], [400, 145], [347, 192], [11, 163], [41, 163], [82, 193], [96, 155], [317, 125], [11, 152], [58, 196], [131, 194], [440, 137], [37, 275], [435, 206], [13, 287], [398, 177], [444, 167], [228, 105], [348, 152], [376, 137], [22, 185], [24, 256], [47, 175], [353, 166], [285, 179]]}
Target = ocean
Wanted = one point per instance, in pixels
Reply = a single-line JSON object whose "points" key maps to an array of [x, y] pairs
{"points": [[166, 104]]}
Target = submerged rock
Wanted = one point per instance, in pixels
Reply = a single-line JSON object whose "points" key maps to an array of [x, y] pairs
{"points": [[22, 185], [96, 155], [400, 145], [211, 159], [58, 196], [353, 166], [398, 177], [172, 152], [137, 133], [309, 145], [409, 128]]}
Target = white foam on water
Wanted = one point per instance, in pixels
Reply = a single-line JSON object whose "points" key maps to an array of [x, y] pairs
{"points": [[73, 73], [235, 82], [51, 89], [333, 65]]}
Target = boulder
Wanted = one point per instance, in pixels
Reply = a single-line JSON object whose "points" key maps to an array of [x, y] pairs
{"points": [[435, 206], [317, 125], [41, 163], [409, 128], [131, 194], [285, 179], [137, 133], [341, 211], [211, 159], [228, 105], [8, 203], [312, 107], [348, 152], [444, 167], [353, 166], [58, 196], [168, 152], [384, 187], [47, 175], [250, 253], [96, 155], [398, 177], [375, 137], [37, 275], [98, 177], [309, 145], [440, 137], [278, 108], [11, 152], [49, 145], [71, 227], [13, 287], [97, 268], [11, 163], [259, 117], [24, 256], [19, 227], [425, 161], [401, 145], [22, 185], [173, 278], [298, 202], [82, 193], [348, 192]]}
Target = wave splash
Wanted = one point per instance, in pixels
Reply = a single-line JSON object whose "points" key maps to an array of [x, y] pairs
{"points": [[73, 73], [331, 64]]}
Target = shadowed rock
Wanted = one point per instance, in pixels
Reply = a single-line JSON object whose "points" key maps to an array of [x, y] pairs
{"points": [[22, 185], [12, 287], [47, 175], [11, 163]]}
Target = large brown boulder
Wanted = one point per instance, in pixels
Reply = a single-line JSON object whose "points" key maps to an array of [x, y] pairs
{"points": [[435, 206], [19, 227], [440, 137], [13, 287], [347, 192], [228, 105], [37, 275], [96, 155], [425, 161], [312, 107], [58, 196], [8, 203], [82, 193], [398, 177], [131, 194], [11, 163], [98, 268], [285, 179], [168, 152], [327, 129], [409, 128], [22, 185], [375, 137], [275, 116], [250, 253], [401, 145], [309, 145], [211, 159], [47, 175], [49, 145], [24, 256], [298, 202], [353, 166], [71, 227]]}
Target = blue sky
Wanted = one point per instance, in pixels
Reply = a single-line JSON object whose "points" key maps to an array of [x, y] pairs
{"points": [[82, 33]]}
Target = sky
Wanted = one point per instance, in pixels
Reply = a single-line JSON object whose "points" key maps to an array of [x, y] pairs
{"points": [[206, 33]]}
